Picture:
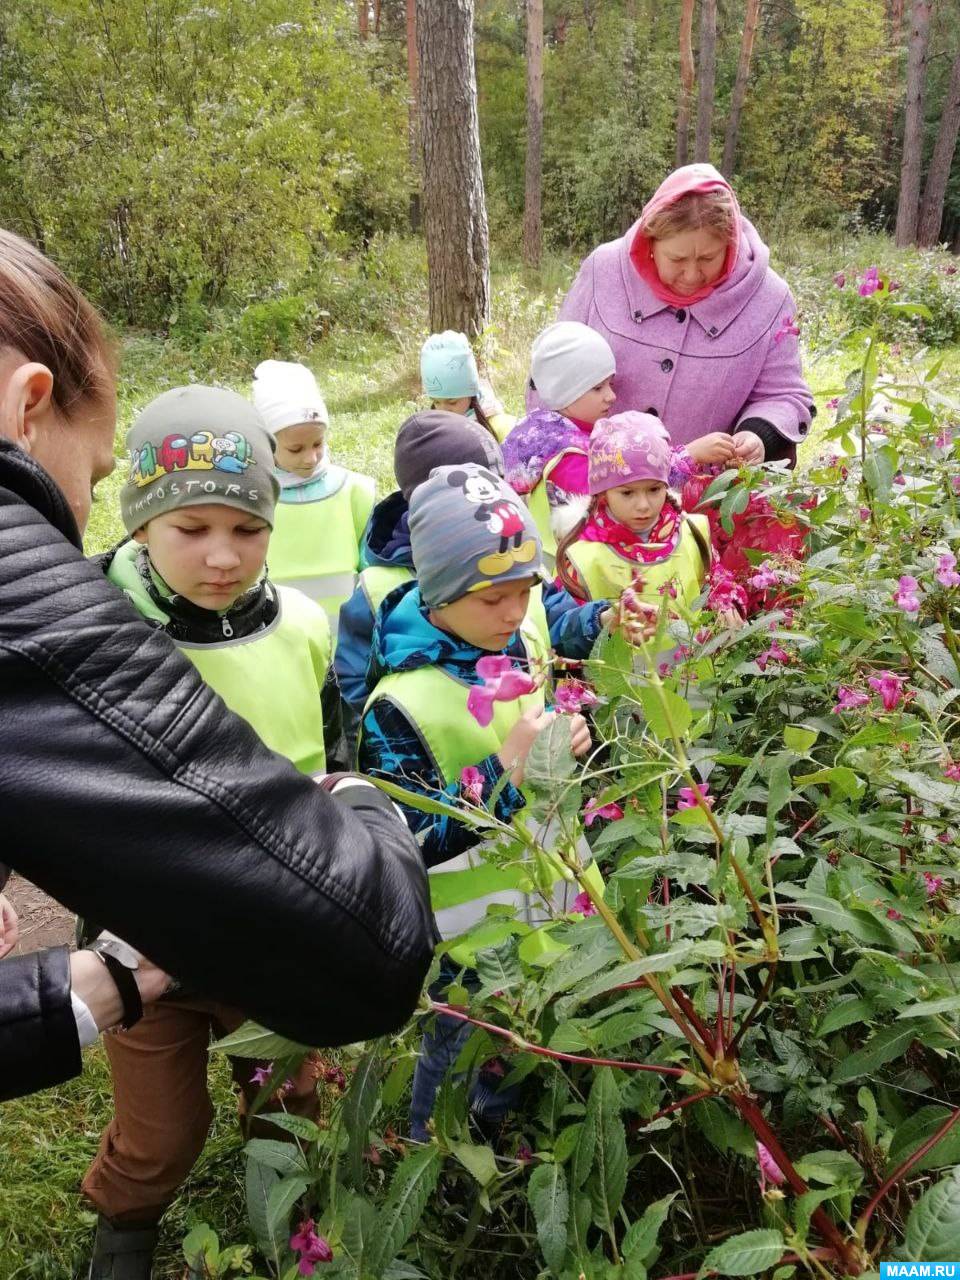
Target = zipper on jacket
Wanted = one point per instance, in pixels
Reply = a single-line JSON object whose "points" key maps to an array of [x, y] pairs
{"points": [[226, 627]]}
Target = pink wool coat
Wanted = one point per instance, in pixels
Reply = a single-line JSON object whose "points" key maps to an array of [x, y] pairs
{"points": [[705, 367]]}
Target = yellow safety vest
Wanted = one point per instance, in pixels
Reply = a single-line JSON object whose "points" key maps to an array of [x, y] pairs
{"points": [[272, 678], [539, 506], [604, 574], [315, 546], [462, 888]]}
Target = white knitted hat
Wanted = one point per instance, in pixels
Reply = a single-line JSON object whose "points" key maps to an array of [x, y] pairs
{"points": [[287, 394], [567, 359]]}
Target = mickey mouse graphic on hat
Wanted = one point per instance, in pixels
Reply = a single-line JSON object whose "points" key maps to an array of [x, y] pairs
{"points": [[502, 517]]}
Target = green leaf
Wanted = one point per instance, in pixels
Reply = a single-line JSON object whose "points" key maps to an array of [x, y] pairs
{"points": [[550, 1201], [566, 1142], [925, 1008], [609, 1178], [641, 1238], [848, 1009], [259, 1181], [201, 1248], [930, 789], [746, 1254], [253, 1041], [285, 1157], [358, 1110], [299, 1126], [414, 1182], [830, 1167], [423, 804], [915, 1131], [550, 762], [879, 468], [933, 1228], [887, 1044], [477, 1160], [841, 781], [798, 738], [283, 1196], [653, 700], [655, 963], [358, 1228], [722, 1129], [499, 968]]}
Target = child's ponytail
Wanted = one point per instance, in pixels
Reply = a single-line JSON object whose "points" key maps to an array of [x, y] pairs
{"points": [[481, 417], [564, 568]]}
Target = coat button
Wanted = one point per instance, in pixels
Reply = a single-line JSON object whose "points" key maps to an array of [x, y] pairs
{"points": [[712, 331], [681, 316], [638, 316], [652, 411], [666, 365]]}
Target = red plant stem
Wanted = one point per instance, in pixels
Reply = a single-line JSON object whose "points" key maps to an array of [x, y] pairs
{"points": [[755, 1118], [757, 1006], [676, 1106], [733, 989], [686, 1005], [805, 826], [452, 1012], [721, 994], [902, 1170], [787, 1257]]}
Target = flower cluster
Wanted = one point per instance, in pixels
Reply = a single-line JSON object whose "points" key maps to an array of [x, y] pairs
{"points": [[776, 653], [905, 597], [788, 328], [593, 811], [501, 682], [572, 696], [688, 797], [310, 1247], [471, 784], [947, 574]]}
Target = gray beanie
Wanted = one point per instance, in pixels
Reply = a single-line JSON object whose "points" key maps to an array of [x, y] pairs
{"points": [[435, 438], [566, 360], [469, 530], [195, 445]]}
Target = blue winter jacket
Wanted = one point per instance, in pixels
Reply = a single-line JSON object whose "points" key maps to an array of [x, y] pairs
{"points": [[573, 626]]}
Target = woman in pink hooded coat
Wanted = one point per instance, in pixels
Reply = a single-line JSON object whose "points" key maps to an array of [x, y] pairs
{"points": [[703, 331]]}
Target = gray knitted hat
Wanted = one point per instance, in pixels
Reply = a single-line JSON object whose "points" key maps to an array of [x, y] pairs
{"points": [[469, 530], [194, 445], [566, 360], [435, 438]]}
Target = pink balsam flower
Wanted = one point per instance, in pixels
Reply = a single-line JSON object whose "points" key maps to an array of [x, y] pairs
{"points": [[770, 1171], [688, 797], [849, 699], [571, 696], [788, 327], [870, 282], [593, 811], [471, 784], [502, 682], [947, 574], [776, 653], [311, 1247], [933, 884], [889, 687], [951, 770], [905, 597], [584, 904]]}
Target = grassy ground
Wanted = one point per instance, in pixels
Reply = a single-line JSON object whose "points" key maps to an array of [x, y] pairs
{"points": [[370, 383]]}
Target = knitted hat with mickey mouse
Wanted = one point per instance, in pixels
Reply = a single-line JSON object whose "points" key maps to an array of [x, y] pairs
{"points": [[469, 530]]}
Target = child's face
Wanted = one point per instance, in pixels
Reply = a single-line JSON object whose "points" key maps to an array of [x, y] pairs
{"points": [[209, 554], [637, 505], [300, 448], [488, 618], [460, 405], [593, 404]]}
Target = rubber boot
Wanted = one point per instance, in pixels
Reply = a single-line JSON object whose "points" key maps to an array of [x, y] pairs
{"points": [[122, 1253]]}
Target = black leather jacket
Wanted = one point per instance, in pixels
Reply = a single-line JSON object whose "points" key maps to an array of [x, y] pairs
{"points": [[130, 793]]}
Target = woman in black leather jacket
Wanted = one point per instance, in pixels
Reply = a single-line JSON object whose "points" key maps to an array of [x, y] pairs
{"points": [[128, 791]]}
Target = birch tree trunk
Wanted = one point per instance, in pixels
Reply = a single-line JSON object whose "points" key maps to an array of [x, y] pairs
{"points": [[532, 222], [454, 207]]}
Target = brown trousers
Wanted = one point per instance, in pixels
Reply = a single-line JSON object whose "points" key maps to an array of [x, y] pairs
{"points": [[162, 1107]]}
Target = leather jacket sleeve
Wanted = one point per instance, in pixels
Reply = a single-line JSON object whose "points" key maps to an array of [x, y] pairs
{"points": [[39, 1045], [136, 798]]}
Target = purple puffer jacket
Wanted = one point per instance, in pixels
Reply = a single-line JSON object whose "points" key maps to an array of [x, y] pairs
{"points": [[702, 368]]}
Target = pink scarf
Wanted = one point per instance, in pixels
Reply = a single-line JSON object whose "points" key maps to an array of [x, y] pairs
{"points": [[659, 544], [684, 181]]}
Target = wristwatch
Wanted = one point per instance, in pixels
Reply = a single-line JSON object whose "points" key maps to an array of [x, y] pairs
{"points": [[121, 963]]}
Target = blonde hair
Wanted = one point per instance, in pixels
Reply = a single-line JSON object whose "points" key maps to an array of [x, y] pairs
{"points": [[46, 317], [698, 210]]}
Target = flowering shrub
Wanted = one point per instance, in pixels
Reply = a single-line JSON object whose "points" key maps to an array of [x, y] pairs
{"points": [[743, 1057]]}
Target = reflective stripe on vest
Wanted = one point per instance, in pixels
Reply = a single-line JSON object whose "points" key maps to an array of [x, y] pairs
{"points": [[272, 678], [462, 888], [605, 574], [315, 546], [378, 580], [539, 506]]}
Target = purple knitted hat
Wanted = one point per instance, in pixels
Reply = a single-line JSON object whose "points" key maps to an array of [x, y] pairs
{"points": [[626, 448]]}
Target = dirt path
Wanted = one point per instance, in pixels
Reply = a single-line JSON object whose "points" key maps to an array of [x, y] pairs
{"points": [[43, 921]]}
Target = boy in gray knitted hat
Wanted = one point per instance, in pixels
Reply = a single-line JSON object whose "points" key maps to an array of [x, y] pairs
{"points": [[198, 502], [456, 679]]}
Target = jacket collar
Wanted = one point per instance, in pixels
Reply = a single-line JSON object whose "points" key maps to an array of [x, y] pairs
{"points": [[713, 314], [28, 480], [386, 540]]}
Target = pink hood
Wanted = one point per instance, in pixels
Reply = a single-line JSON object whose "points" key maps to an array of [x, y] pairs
{"points": [[690, 179]]}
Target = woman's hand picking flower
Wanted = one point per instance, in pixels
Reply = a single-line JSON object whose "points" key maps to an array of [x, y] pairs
{"points": [[749, 447], [715, 448]]}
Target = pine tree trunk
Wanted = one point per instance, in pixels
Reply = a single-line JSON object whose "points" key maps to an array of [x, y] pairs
{"points": [[532, 225], [708, 76], [376, 17], [751, 20], [908, 206], [413, 113], [686, 80], [895, 24], [455, 212], [363, 18], [931, 211]]}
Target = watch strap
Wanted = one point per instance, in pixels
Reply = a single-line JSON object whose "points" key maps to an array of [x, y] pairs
{"points": [[126, 983]]}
